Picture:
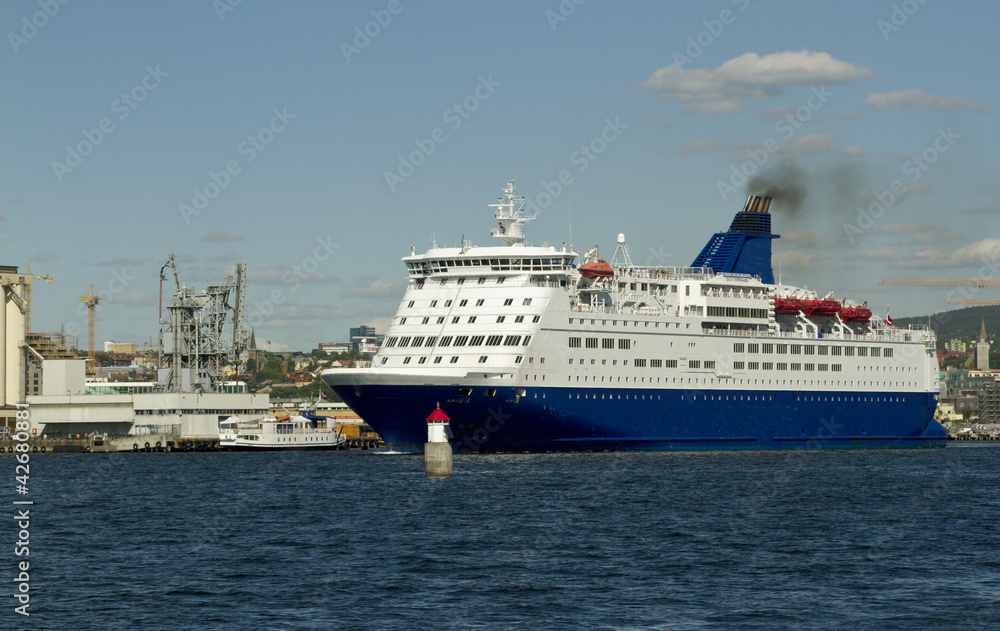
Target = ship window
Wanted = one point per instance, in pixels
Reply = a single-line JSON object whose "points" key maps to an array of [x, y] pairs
{"points": [[455, 320], [472, 319], [608, 342], [447, 303], [418, 341], [517, 360], [490, 392], [527, 339], [482, 280], [753, 366], [591, 342], [710, 364], [411, 304], [823, 350], [508, 302], [738, 365], [440, 320], [849, 351], [796, 349], [446, 340], [406, 360], [494, 340], [434, 303], [384, 359], [454, 359], [463, 392], [500, 319], [836, 350], [461, 340], [519, 319], [479, 303], [536, 318], [463, 303], [739, 347], [512, 340], [694, 363], [425, 321], [810, 349], [482, 359], [437, 360], [527, 301], [574, 342], [422, 360], [624, 344], [670, 363], [862, 351], [477, 340], [402, 320], [430, 341], [404, 342]]}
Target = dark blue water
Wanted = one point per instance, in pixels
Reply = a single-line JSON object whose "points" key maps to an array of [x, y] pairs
{"points": [[358, 540]]}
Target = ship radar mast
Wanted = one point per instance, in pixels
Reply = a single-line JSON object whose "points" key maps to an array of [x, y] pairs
{"points": [[510, 214], [621, 257]]}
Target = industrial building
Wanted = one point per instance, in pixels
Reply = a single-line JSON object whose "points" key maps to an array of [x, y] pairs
{"points": [[201, 335]]}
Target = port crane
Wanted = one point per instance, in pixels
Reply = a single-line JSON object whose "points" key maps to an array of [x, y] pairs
{"points": [[91, 301], [979, 283], [27, 295]]}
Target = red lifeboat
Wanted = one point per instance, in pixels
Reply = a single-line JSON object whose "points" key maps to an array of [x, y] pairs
{"points": [[789, 305], [826, 307], [596, 269], [856, 314]]}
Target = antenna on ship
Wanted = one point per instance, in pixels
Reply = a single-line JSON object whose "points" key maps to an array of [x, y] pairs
{"points": [[571, 225], [510, 213], [621, 250]]}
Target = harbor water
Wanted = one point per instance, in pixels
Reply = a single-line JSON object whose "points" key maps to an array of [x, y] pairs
{"points": [[363, 540]]}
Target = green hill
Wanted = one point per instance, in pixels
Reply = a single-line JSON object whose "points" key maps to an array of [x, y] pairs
{"points": [[963, 324]]}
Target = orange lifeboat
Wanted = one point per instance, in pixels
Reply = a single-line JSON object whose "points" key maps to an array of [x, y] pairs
{"points": [[856, 314], [596, 269], [826, 307], [789, 305]]}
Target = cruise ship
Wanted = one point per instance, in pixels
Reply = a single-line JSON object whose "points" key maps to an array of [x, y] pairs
{"points": [[528, 351]]}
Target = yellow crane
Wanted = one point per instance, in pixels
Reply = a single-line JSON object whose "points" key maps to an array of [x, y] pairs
{"points": [[27, 295], [979, 283], [91, 301]]}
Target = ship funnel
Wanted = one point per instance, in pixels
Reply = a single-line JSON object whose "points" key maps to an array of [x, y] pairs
{"points": [[757, 204], [746, 247]]}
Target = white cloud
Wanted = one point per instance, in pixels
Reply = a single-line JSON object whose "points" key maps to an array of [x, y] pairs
{"points": [[699, 145], [984, 251], [921, 233], [725, 88], [907, 99], [811, 144], [221, 236], [854, 150], [284, 275], [981, 210], [373, 287]]}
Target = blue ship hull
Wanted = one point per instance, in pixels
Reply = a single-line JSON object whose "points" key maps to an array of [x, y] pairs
{"points": [[576, 419]]}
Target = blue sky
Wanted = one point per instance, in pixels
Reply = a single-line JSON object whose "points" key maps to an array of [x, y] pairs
{"points": [[283, 136]]}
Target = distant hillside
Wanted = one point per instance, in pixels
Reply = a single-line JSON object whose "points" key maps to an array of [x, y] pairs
{"points": [[960, 323]]}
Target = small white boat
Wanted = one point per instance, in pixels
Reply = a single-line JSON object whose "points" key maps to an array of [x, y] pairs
{"points": [[291, 432]]}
